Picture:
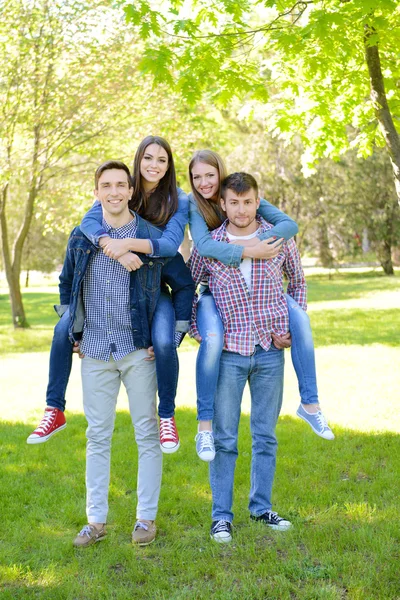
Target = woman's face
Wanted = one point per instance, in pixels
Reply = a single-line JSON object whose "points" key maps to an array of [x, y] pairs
{"points": [[153, 166], [206, 180]]}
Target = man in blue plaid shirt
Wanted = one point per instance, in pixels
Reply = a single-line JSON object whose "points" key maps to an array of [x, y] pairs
{"points": [[111, 302]]}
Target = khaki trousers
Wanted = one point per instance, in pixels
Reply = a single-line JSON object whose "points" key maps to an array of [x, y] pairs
{"points": [[100, 383]]}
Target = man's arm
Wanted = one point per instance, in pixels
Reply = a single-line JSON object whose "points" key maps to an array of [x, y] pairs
{"points": [[297, 287]]}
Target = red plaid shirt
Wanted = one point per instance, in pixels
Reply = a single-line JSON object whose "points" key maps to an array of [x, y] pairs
{"points": [[251, 318]]}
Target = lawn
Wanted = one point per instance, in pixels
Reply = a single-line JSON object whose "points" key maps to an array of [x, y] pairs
{"points": [[341, 496]]}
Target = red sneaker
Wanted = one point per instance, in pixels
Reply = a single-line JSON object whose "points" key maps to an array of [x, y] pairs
{"points": [[53, 421], [169, 438]]}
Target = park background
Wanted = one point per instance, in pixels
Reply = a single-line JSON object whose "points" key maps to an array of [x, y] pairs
{"points": [[304, 95]]}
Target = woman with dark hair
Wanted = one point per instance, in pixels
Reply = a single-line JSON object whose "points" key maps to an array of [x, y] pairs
{"points": [[155, 198], [206, 173]]}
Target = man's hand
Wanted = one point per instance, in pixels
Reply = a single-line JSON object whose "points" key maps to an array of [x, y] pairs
{"points": [[265, 249], [282, 341], [116, 248], [130, 261], [76, 349], [197, 338], [150, 352]]}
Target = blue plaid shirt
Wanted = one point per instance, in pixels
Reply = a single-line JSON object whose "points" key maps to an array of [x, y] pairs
{"points": [[107, 329]]}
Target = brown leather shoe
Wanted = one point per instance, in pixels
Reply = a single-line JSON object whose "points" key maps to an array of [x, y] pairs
{"points": [[144, 532], [89, 535]]}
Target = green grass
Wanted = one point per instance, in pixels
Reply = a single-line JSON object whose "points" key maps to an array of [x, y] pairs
{"points": [[342, 499], [339, 326]]}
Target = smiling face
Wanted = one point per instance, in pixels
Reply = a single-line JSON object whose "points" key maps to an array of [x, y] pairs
{"points": [[153, 166], [114, 192], [206, 180]]}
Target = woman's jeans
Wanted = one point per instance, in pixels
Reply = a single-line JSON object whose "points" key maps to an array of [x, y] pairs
{"points": [[211, 331], [167, 365], [60, 364], [163, 335], [210, 328]]}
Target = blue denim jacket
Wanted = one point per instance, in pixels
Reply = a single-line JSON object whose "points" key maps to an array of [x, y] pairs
{"points": [[231, 254], [144, 285], [172, 233]]}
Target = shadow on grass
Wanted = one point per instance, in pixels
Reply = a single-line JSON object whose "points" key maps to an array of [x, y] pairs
{"points": [[38, 308], [341, 497], [345, 286]]}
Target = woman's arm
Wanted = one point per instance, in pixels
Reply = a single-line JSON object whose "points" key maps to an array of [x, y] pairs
{"points": [[284, 226], [166, 245], [91, 225], [229, 254]]}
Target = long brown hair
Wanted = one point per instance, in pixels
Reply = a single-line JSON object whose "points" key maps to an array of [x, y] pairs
{"points": [[209, 209], [165, 196]]}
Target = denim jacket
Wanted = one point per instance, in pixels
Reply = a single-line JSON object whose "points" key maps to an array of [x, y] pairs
{"points": [[144, 285], [231, 254], [172, 233]]}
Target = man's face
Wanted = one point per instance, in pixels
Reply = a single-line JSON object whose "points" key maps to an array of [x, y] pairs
{"points": [[114, 191], [241, 209]]}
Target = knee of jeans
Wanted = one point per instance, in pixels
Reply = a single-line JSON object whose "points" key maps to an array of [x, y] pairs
{"points": [[213, 342], [298, 315], [163, 343], [61, 328]]}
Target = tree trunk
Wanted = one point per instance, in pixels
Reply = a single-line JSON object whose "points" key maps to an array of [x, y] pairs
{"points": [[384, 252], [325, 254], [17, 307], [380, 104]]}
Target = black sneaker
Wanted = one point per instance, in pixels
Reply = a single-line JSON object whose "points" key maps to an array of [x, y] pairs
{"points": [[221, 531], [273, 520]]}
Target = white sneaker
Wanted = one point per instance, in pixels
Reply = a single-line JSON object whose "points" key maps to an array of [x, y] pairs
{"points": [[317, 422], [205, 446]]}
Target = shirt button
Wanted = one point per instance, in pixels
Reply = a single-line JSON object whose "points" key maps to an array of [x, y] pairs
{"points": [[151, 263], [87, 251]]}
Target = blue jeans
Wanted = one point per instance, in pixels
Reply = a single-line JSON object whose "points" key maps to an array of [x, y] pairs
{"points": [[163, 334], [264, 372], [60, 364], [211, 330], [303, 356], [167, 365]]}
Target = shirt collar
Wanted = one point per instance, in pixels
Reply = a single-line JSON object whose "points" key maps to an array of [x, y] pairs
{"points": [[121, 230]]}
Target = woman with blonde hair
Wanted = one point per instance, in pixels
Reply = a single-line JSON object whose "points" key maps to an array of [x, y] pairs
{"points": [[206, 173]]}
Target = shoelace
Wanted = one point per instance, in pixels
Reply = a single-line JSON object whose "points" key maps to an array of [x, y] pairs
{"points": [[87, 530], [321, 420], [45, 422], [221, 526], [274, 516], [206, 440], [167, 429], [141, 525]]}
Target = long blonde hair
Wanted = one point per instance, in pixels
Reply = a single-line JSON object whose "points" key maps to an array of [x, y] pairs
{"points": [[209, 209]]}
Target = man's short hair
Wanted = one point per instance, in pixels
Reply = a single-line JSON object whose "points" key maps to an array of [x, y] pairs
{"points": [[111, 164], [239, 183]]}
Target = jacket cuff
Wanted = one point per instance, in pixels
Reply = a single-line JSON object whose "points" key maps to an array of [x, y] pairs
{"points": [[182, 326], [61, 309]]}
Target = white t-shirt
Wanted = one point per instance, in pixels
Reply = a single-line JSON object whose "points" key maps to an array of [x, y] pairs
{"points": [[245, 265]]}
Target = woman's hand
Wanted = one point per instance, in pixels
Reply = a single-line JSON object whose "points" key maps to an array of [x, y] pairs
{"points": [[116, 248], [265, 249], [130, 261]]}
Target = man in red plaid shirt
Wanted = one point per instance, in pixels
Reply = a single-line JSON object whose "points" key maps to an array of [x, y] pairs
{"points": [[253, 309]]}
